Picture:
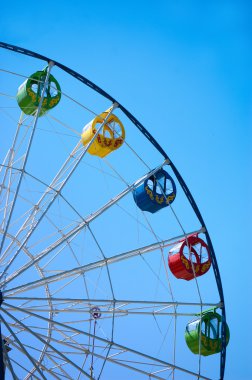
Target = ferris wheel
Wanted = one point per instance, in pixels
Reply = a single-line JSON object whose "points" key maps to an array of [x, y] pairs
{"points": [[107, 270]]}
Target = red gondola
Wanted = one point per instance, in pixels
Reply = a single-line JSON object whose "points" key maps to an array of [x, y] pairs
{"points": [[189, 258]]}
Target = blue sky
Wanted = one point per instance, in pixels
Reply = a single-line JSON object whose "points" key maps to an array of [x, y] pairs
{"points": [[184, 70]]}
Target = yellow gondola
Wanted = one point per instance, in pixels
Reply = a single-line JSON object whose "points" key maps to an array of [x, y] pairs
{"points": [[110, 137]]}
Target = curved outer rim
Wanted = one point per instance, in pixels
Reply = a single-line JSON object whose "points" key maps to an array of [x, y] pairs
{"points": [[187, 192]]}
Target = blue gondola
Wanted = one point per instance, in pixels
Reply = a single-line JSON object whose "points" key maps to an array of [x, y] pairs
{"points": [[156, 192]]}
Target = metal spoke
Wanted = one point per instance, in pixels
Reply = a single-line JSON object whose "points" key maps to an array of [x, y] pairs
{"points": [[124, 364], [45, 342], [84, 268], [60, 368], [18, 365], [51, 193], [26, 157], [9, 365], [74, 231], [111, 343], [22, 347], [150, 303]]}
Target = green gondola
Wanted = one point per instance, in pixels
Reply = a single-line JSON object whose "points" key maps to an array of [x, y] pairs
{"points": [[29, 93], [210, 324]]}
